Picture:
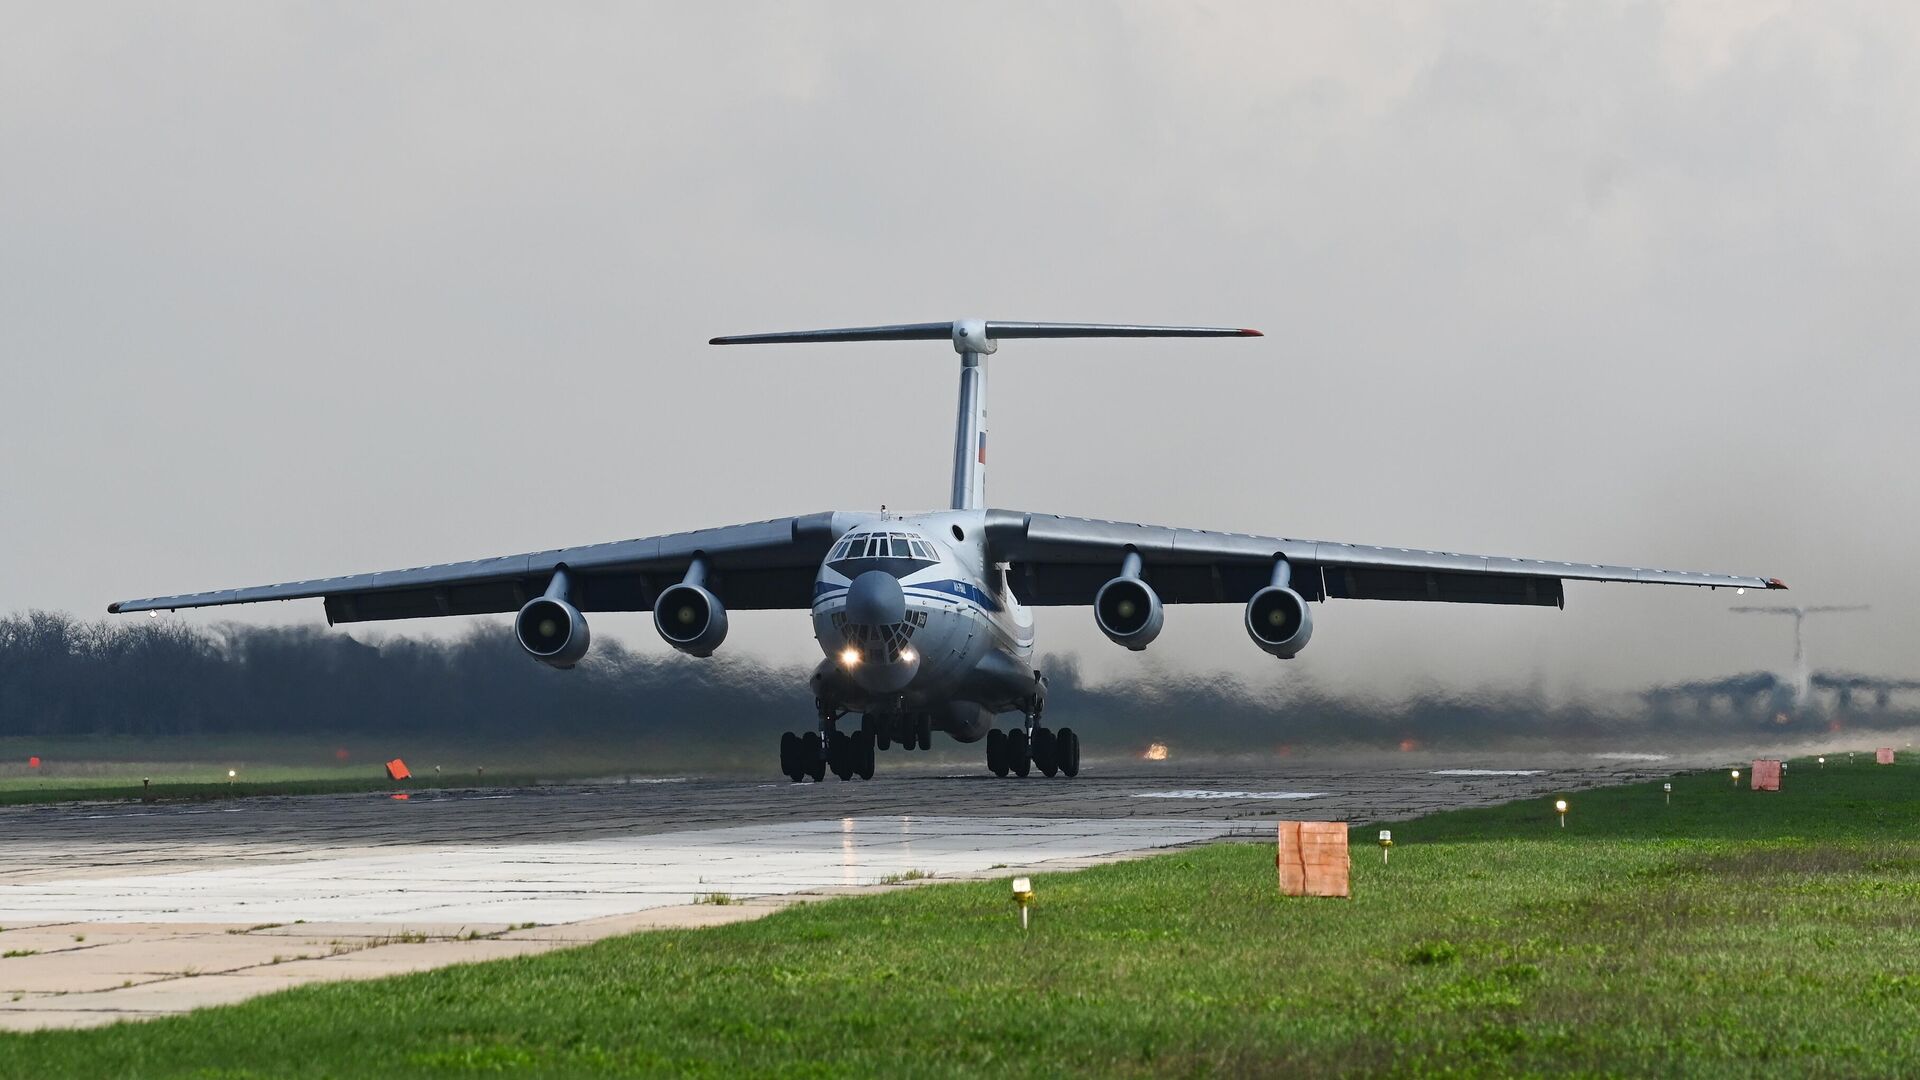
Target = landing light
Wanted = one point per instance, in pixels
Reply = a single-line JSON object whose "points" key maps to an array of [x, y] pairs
{"points": [[1739, 592], [850, 656], [906, 656]]}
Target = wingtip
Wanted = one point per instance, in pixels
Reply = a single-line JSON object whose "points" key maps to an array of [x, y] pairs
{"points": [[1776, 583], [1244, 332]]}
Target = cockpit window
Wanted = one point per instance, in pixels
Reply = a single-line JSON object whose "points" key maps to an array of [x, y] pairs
{"points": [[898, 554]]}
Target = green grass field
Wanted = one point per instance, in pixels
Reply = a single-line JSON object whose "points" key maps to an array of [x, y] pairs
{"points": [[1730, 933], [113, 768]]}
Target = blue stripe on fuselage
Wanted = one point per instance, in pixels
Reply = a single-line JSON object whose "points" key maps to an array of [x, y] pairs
{"points": [[945, 590]]}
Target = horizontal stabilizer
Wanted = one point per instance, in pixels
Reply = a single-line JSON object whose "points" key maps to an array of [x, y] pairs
{"points": [[941, 331]]}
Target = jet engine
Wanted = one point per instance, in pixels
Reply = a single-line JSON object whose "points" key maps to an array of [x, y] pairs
{"points": [[552, 631], [692, 619], [1279, 621], [1128, 612]]}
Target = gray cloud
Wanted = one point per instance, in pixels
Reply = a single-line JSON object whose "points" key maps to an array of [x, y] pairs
{"points": [[289, 290]]}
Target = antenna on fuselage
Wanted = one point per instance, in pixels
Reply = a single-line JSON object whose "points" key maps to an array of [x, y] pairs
{"points": [[974, 340]]}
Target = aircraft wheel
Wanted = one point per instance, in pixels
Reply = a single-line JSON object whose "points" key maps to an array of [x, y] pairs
{"points": [[840, 754], [1018, 758], [925, 728], [1066, 750], [789, 751], [810, 761], [997, 752], [882, 733], [863, 755], [1043, 751]]}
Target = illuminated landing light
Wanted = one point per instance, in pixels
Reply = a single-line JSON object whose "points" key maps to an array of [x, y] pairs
{"points": [[850, 656], [907, 656], [1740, 592], [1156, 752]]}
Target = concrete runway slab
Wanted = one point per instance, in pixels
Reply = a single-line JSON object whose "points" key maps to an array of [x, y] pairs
{"points": [[128, 911]]}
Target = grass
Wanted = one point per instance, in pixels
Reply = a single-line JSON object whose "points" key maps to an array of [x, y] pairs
{"points": [[110, 768], [1730, 933]]}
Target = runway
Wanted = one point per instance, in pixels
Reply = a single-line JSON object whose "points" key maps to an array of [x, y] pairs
{"points": [[112, 912]]}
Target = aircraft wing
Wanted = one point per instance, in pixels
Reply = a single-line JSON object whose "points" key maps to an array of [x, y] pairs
{"points": [[1064, 560], [767, 564]]}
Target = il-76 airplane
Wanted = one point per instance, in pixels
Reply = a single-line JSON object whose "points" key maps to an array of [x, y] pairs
{"points": [[925, 619]]}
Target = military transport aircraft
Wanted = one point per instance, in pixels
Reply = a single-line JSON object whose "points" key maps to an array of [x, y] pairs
{"points": [[924, 618], [1800, 693]]}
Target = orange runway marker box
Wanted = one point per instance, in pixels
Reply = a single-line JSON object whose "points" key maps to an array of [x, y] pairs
{"points": [[1766, 774], [1313, 859], [1884, 755], [397, 770]]}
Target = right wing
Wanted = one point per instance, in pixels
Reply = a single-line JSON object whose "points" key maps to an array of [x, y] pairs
{"points": [[1063, 560], [768, 564]]}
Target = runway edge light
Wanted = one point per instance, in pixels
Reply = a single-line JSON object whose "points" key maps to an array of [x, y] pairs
{"points": [[1023, 895], [1560, 807], [1386, 844]]}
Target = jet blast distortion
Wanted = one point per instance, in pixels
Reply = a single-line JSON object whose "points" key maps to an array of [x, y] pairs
{"points": [[925, 621]]}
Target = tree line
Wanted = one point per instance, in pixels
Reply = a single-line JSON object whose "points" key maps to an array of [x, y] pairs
{"points": [[63, 676]]}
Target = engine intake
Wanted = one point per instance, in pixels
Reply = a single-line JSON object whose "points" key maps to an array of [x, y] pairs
{"points": [[692, 619], [1279, 621], [1128, 611], [552, 631]]}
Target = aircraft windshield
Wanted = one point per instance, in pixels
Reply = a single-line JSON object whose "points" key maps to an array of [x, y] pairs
{"points": [[896, 553]]}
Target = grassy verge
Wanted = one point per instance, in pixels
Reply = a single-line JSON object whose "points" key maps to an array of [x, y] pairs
{"points": [[1730, 932], [114, 768]]}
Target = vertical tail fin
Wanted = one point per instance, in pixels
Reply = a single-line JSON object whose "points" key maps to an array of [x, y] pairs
{"points": [[974, 340]]}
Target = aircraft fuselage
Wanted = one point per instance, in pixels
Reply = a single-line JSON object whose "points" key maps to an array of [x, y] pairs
{"points": [[912, 618]]}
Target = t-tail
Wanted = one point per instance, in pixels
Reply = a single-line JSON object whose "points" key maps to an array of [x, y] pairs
{"points": [[975, 340]]}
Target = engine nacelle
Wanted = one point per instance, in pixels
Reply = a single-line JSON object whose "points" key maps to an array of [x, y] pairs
{"points": [[692, 619], [1128, 611], [1279, 621], [552, 631]]}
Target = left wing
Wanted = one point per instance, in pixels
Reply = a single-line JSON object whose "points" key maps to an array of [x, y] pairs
{"points": [[1063, 560], [768, 564]]}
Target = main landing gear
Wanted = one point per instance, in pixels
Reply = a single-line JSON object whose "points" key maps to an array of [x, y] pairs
{"points": [[1022, 749], [830, 750], [808, 756]]}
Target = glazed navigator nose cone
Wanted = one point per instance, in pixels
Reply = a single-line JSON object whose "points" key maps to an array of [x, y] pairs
{"points": [[875, 599]]}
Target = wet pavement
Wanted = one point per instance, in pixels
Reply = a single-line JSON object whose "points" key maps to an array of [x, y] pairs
{"points": [[130, 911]]}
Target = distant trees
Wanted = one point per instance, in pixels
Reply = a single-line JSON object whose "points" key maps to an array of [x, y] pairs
{"points": [[156, 677], [166, 677]]}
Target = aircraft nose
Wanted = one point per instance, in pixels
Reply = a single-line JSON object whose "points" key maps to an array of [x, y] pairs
{"points": [[875, 599]]}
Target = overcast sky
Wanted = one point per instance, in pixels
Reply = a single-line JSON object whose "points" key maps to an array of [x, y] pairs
{"points": [[294, 290]]}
